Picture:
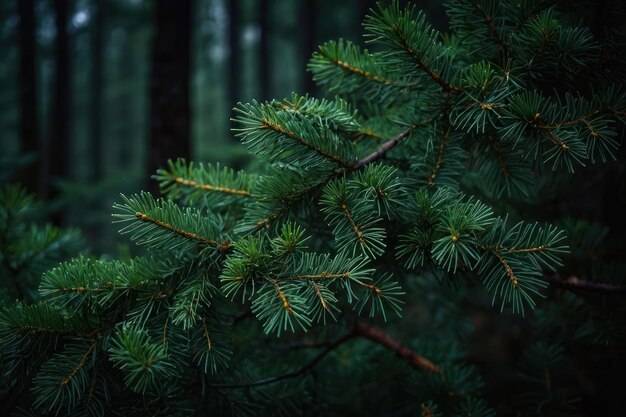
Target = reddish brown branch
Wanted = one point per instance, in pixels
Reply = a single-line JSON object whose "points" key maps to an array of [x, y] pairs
{"points": [[576, 284], [360, 329], [383, 338]]}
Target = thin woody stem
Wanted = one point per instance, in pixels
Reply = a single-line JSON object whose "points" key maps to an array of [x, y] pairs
{"points": [[292, 374], [383, 338], [507, 268], [209, 187], [433, 74], [360, 329], [282, 296], [539, 248], [442, 148], [368, 75], [576, 284], [356, 228], [321, 275], [492, 28], [189, 235], [365, 74], [80, 364], [383, 149], [267, 124], [567, 123]]}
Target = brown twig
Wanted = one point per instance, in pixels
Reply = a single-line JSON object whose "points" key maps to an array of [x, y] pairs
{"points": [[383, 149], [176, 230], [209, 187], [576, 284], [360, 329], [383, 338]]}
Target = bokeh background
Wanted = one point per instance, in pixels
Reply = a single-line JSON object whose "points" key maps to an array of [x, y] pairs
{"points": [[96, 94]]}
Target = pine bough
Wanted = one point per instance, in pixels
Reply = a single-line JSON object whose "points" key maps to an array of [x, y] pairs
{"points": [[362, 195]]}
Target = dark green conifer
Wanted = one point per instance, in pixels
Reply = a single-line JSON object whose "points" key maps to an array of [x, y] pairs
{"points": [[382, 215]]}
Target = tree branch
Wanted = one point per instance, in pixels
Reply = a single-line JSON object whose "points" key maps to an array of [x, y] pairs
{"points": [[492, 28], [291, 374], [360, 329], [381, 337], [576, 284], [383, 149]]}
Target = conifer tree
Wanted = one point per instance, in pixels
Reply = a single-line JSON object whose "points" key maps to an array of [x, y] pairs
{"points": [[338, 279]]}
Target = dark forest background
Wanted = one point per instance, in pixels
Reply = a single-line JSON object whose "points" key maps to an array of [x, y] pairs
{"points": [[95, 95]]}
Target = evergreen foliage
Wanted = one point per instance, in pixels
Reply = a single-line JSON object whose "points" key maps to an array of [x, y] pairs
{"points": [[27, 247], [397, 197]]}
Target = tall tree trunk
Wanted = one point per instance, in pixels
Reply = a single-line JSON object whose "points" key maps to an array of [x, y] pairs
{"points": [[264, 59], [124, 108], [97, 48], [234, 40], [307, 22], [169, 84], [28, 95], [58, 146]]}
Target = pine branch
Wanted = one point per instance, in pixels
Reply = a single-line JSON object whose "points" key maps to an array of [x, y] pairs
{"points": [[440, 155], [361, 329], [507, 268], [175, 230], [209, 187], [492, 28], [409, 32], [571, 122], [422, 65], [383, 149], [80, 364], [161, 224], [343, 67], [268, 124], [381, 337], [352, 69]]}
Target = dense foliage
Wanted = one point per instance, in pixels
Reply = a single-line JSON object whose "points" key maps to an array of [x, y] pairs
{"points": [[401, 200], [28, 247]]}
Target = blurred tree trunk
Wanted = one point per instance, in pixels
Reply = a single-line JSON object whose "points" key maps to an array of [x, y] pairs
{"points": [[124, 109], [58, 147], [234, 41], [97, 81], [169, 85], [307, 23], [264, 59], [29, 126]]}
